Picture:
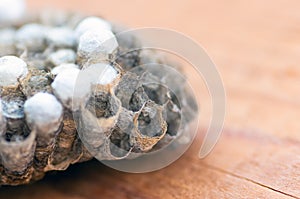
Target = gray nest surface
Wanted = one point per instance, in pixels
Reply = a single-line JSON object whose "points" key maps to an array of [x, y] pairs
{"points": [[40, 117]]}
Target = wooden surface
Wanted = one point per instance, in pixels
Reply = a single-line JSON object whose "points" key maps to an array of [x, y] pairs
{"points": [[256, 46]]}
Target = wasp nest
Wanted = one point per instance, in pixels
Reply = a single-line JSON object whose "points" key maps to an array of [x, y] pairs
{"points": [[40, 66]]}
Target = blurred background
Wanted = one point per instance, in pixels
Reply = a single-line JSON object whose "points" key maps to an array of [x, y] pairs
{"points": [[256, 47]]}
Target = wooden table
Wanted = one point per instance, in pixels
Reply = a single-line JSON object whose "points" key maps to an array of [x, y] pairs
{"points": [[256, 46]]}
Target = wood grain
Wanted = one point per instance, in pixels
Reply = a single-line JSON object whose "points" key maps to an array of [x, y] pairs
{"points": [[256, 46], [241, 166]]}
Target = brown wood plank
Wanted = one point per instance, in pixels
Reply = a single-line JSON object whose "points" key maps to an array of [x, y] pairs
{"points": [[189, 177], [265, 160]]}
